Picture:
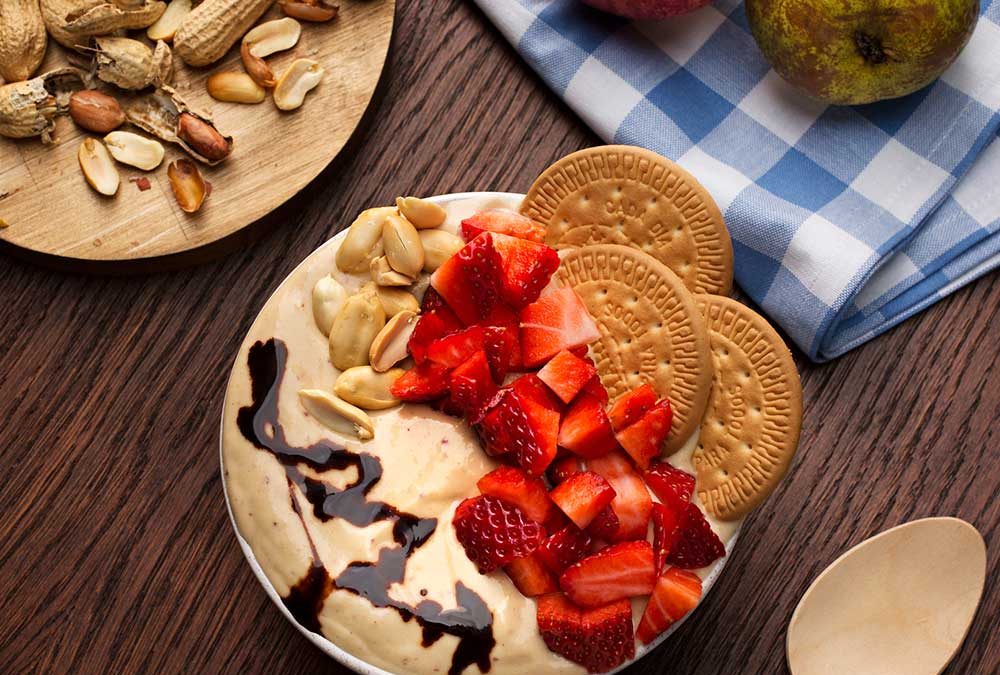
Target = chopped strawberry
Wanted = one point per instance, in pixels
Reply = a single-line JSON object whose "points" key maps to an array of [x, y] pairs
{"points": [[585, 429], [563, 468], [516, 487], [493, 532], [582, 496], [622, 570], [596, 389], [630, 407], [531, 387], [632, 503], [430, 327], [563, 548], [566, 375], [503, 221], [670, 485], [598, 639], [643, 440], [424, 382], [605, 525], [469, 281], [697, 545], [676, 593], [472, 387], [526, 266], [503, 336], [526, 429], [448, 406], [555, 322], [456, 348], [530, 576], [581, 352], [667, 524], [432, 301]]}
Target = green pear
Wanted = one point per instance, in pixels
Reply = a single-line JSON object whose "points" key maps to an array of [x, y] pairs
{"points": [[859, 51]]}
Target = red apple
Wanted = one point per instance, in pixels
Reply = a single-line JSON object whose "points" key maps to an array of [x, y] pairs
{"points": [[647, 9]]}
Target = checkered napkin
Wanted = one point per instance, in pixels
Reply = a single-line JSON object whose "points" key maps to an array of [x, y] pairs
{"points": [[845, 221]]}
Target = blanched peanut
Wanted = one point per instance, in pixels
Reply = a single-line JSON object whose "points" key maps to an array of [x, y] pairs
{"points": [[423, 214], [363, 242], [337, 414], [438, 247], [389, 346], [355, 326], [302, 76], [402, 245], [367, 389], [328, 296]]}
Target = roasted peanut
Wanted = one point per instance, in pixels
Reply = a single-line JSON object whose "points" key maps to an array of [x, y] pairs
{"points": [[72, 22], [384, 275], [302, 76], [363, 242], [95, 111], [168, 23], [367, 389], [389, 346], [22, 39], [235, 88], [422, 213], [125, 63], [97, 167], [167, 116], [134, 150], [29, 108], [309, 10], [396, 300], [328, 297], [439, 245], [402, 246], [202, 137], [355, 326], [187, 183], [336, 413], [214, 26], [264, 40]]}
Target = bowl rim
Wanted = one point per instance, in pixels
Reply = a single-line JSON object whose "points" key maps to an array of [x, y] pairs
{"points": [[329, 648]]}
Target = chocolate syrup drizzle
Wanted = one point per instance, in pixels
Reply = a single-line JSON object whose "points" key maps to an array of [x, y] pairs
{"points": [[471, 622]]}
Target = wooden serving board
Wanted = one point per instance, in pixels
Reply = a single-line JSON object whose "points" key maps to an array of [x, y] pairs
{"points": [[50, 210]]}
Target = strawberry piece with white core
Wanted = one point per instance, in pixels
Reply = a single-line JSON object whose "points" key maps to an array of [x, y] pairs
{"points": [[566, 375], [632, 503], [676, 593], [503, 221], [624, 570], [555, 322]]}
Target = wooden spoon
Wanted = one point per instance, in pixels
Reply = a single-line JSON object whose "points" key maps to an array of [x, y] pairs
{"points": [[899, 603]]}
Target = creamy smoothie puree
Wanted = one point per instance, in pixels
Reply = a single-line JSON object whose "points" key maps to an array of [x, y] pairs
{"points": [[359, 542]]}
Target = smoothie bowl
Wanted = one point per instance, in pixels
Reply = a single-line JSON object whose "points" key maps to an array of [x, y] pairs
{"points": [[449, 464]]}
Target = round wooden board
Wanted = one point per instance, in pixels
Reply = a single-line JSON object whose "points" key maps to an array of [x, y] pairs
{"points": [[50, 210]]}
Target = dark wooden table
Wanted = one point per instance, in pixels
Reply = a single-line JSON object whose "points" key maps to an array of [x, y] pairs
{"points": [[116, 552]]}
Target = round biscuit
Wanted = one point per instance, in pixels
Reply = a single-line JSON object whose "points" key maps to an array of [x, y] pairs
{"points": [[626, 195], [651, 330], [751, 428]]}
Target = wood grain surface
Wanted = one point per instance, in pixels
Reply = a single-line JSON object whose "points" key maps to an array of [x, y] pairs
{"points": [[51, 210], [116, 552]]}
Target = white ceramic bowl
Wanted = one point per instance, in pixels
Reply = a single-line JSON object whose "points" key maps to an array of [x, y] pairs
{"points": [[349, 660]]}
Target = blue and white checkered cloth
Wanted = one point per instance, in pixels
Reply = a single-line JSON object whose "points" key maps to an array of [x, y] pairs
{"points": [[845, 220]]}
